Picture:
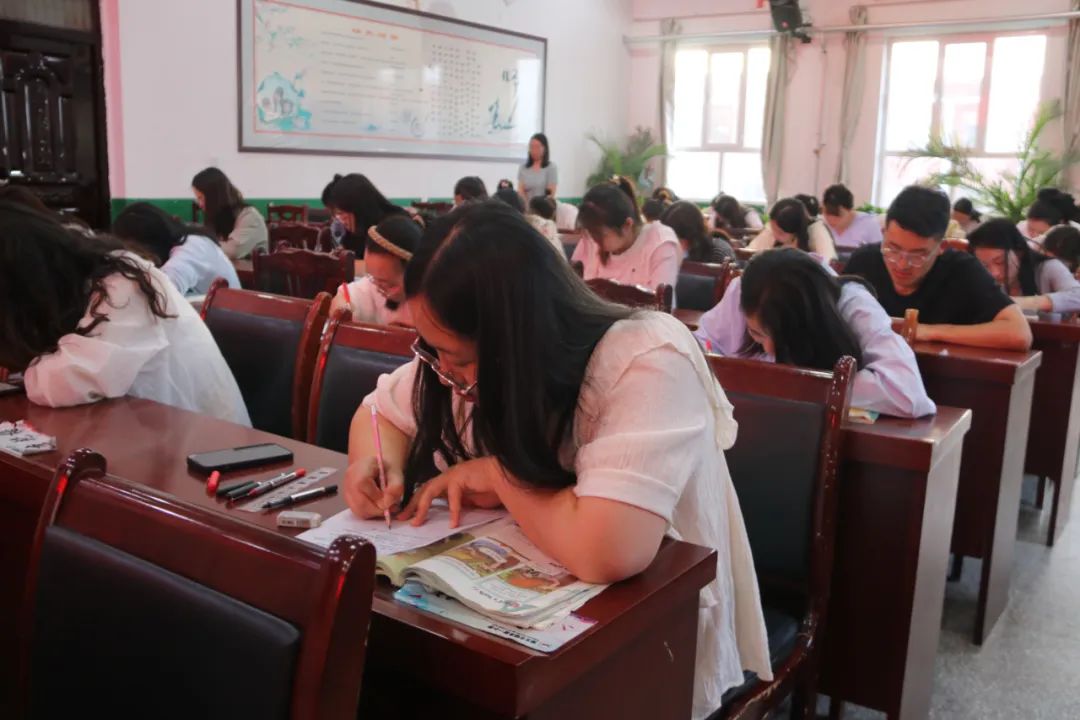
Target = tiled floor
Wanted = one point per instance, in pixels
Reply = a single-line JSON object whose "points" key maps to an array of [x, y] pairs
{"points": [[1029, 667]]}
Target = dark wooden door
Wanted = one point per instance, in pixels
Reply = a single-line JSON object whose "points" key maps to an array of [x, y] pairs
{"points": [[52, 125]]}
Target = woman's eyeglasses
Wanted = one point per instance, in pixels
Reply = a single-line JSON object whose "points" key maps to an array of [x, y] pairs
{"points": [[465, 391]]}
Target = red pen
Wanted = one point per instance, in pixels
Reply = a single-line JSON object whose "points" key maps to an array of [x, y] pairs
{"points": [[212, 482], [345, 292]]}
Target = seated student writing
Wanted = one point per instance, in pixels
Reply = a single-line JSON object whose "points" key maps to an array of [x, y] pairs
{"points": [[358, 205], [850, 228], [191, 259], [957, 300], [728, 214], [1063, 243], [788, 308], [790, 226], [379, 296], [239, 226], [469, 189], [615, 245], [1052, 208], [88, 321], [529, 392], [689, 225], [541, 215], [1036, 282]]}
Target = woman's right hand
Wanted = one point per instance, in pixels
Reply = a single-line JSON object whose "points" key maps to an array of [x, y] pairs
{"points": [[362, 493]]}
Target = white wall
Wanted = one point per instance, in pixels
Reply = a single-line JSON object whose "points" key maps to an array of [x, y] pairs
{"points": [[177, 78], [813, 122]]}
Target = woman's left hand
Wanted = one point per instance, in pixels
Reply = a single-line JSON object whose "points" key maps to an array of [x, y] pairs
{"points": [[469, 483]]}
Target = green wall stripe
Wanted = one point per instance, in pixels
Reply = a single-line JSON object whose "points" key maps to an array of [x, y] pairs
{"points": [[181, 207]]}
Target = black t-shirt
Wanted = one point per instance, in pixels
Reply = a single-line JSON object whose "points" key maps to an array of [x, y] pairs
{"points": [[958, 290]]}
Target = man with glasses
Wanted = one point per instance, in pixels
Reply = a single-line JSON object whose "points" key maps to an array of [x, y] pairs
{"points": [[957, 299]]}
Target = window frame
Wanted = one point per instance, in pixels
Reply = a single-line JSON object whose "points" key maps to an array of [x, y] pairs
{"points": [[722, 149], [979, 151]]}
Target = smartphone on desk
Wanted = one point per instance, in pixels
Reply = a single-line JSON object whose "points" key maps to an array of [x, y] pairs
{"points": [[239, 458]]}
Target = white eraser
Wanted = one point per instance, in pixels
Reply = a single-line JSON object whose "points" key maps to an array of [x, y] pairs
{"points": [[299, 518]]}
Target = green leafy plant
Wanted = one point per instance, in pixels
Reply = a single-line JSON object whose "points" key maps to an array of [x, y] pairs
{"points": [[871, 208], [631, 159], [1013, 192]]}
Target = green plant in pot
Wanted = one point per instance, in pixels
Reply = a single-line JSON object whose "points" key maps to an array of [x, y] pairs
{"points": [[1013, 192], [630, 160]]}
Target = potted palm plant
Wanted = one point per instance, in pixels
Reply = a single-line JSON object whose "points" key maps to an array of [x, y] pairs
{"points": [[631, 160], [1012, 193]]}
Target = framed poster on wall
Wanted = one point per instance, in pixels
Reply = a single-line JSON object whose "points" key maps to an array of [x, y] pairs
{"points": [[354, 77]]}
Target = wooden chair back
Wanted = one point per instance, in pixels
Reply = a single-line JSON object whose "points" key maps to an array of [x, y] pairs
{"points": [[129, 586], [352, 357], [784, 466], [702, 285], [293, 235], [634, 295], [435, 208], [287, 213], [196, 213], [744, 254], [270, 343], [302, 273], [960, 244]]}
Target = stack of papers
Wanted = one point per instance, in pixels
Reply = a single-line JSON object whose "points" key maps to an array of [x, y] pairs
{"points": [[18, 438]]}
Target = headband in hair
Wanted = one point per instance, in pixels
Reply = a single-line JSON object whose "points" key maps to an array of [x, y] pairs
{"points": [[388, 246]]}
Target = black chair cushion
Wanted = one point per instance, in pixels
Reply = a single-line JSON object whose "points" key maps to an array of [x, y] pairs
{"points": [[781, 630], [696, 292], [774, 465], [261, 352], [116, 636], [351, 373]]}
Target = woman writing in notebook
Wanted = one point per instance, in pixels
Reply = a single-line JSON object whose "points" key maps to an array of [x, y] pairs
{"points": [[88, 321], [615, 245], [358, 205], [1036, 282], [379, 296], [796, 312], [239, 226], [188, 256], [528, 391], [790, 226]]}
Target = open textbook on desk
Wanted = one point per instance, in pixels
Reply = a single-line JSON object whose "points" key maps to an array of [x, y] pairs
{"points": [[488, 565]]}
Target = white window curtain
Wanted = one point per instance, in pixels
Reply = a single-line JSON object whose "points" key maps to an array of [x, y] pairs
{"points": [[772, 137], [1071, 120], [851, 102], [667, 94]]}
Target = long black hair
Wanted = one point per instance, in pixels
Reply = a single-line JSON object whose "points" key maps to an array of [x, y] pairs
{"points": [[1003, 234], [223, 201], [1063, 242], [730, 213], [152, 230], [689, 224], [482, 271], [797, 301], [470, 188], [790, 216], [610, 204], [546, 160], [1054, 207], [355, 194], [50, 278]]}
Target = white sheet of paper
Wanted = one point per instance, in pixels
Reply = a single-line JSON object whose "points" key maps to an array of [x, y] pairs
{"points": [[402, 536]]}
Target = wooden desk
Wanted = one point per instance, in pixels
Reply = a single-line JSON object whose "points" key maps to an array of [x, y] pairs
{"points": [[898, 484], [1055, 416], [691, 318], [638, 662], [997, 385], [245, 271]]}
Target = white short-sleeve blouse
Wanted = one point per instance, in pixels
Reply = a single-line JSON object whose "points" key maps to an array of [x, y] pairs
{"points": [[669, 461]]}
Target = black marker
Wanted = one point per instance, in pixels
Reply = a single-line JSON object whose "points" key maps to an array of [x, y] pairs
{"points": [[224, 490], [301, 497]]}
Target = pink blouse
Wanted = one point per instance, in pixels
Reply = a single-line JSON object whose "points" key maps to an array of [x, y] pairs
{"points": [[653, 259]]}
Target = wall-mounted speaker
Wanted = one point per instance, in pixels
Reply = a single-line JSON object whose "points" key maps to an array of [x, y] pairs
{"points": [[787, 18]]}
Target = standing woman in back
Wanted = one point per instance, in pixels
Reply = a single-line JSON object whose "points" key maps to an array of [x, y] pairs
{"points": [[88, 320], [539, 176], [615, 245], [239, 226]]}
